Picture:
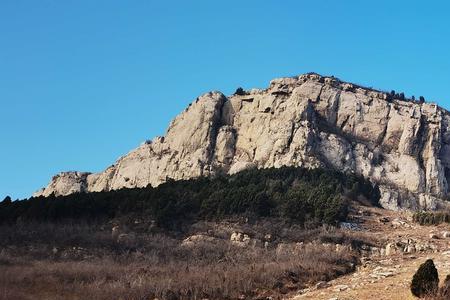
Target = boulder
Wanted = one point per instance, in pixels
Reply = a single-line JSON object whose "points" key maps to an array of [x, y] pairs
{"points": [[197, 239], [322, 285], [391, 249], [243, 240], [433, 236], [126, 239], [410, 249]]}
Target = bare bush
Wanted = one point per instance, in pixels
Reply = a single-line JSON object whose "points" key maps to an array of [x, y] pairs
{"points": [[82, 261]]}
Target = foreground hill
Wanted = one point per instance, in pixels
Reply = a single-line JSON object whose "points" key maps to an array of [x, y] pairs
{"points": [[306, 121], [258, 234], [129, 257]]}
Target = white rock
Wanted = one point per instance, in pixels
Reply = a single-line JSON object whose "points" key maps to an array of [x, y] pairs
{"points": [[322, 285], [197, 239], [390, 249], [402, 146], [241, 239], [410, 249], [341, 287], [115, 231]]}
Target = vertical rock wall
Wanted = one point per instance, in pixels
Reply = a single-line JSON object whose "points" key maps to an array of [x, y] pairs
{"points": [[308, 121]]}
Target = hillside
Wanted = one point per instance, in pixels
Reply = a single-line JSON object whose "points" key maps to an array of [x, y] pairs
{"points": [[306, 121], [257, 234], [303, 237], [303, 196], [385, 273]]}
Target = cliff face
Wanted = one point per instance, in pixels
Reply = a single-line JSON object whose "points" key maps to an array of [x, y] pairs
{"points": [[307, 121]]}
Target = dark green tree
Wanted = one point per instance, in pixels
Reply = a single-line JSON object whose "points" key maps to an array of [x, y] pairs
{"points": [[240, 91], [426, 280], [7, 200]]}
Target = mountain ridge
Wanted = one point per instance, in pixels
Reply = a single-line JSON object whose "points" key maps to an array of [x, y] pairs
{"points": [[307, 121]]}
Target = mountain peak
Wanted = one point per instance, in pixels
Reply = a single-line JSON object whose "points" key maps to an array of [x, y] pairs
{"points": [[311, 121]]}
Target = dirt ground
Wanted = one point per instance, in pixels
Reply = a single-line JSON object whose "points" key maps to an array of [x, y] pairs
{"points": [[388, 276]]}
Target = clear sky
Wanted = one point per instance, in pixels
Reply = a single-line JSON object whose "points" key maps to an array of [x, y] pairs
{"points": [[84, 82]]}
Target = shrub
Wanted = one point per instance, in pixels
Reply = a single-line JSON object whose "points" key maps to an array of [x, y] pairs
{"points": [[431, 218], [7, 200], [426, 280], [240, 91], [90, 264]]}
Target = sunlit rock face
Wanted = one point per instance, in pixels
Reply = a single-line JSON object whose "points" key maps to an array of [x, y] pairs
{"points": [[309, 121]]}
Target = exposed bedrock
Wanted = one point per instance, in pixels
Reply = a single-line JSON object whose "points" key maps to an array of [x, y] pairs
{"points": [[308, 121]]}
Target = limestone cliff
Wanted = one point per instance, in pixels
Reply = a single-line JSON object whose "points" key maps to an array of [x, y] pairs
{"points": [[308, 121]]}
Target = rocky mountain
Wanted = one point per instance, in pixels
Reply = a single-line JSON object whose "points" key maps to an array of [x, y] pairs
{"points": [[309, 121]]}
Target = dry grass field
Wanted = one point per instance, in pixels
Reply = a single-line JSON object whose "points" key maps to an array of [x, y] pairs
{"points": [[81, 261]]}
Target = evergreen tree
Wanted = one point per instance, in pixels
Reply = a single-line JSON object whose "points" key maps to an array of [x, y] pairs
{"points": [[7, 200], [426, 280], [240, 91]]}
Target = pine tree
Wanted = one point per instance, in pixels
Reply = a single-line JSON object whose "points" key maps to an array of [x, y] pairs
{"points": [[426, 280], [240, 91], [7, 200]]}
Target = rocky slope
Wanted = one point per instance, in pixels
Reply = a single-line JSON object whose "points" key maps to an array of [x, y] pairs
{"points": [[387, 268], [309, 121]]}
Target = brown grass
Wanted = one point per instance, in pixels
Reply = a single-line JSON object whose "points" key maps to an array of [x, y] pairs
{"points": [[89, 264]]}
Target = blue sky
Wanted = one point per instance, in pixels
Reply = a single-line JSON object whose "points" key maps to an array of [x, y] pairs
{"points": [[84, 82]]}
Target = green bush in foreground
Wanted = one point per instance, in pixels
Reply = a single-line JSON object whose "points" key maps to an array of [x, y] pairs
{"points": [[426, 280]]}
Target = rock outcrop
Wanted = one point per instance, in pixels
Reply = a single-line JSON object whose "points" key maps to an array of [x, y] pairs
{"points": [[308, 121]]}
